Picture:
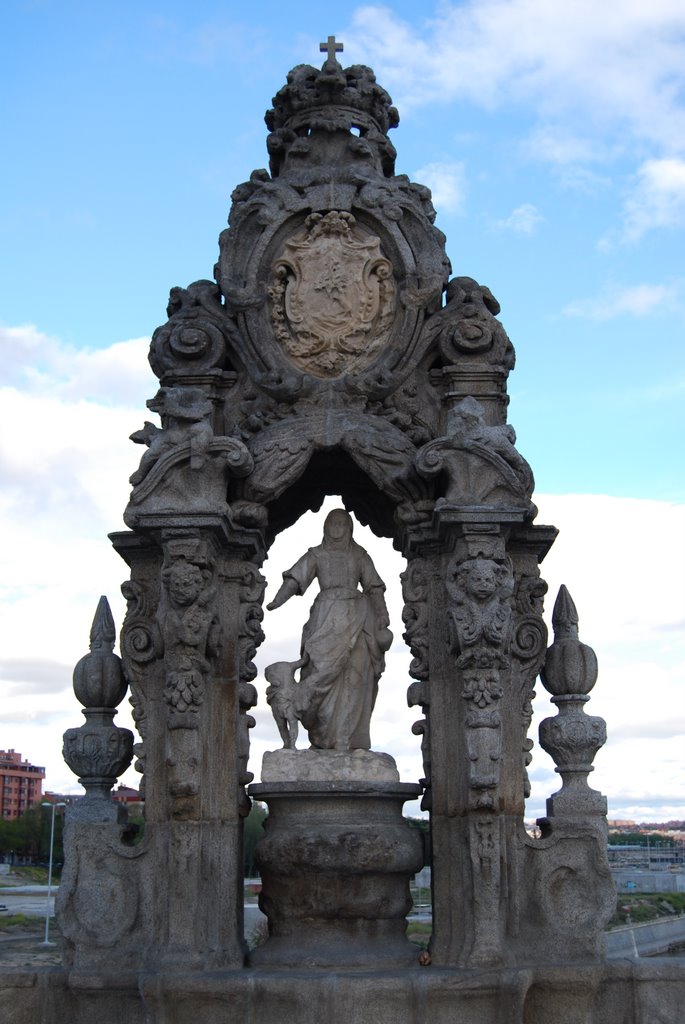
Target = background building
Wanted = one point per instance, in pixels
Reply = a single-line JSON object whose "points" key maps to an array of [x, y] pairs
{"points": [[21, 784]]}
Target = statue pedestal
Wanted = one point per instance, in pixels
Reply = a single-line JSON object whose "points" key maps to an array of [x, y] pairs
{"points": [[336, 860]]}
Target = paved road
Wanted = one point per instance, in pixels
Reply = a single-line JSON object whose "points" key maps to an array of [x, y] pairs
{"points": [[32, 900], [27, 899]]}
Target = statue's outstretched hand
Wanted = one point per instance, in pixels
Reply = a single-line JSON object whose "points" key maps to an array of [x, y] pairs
{"points": [[288, 588]]}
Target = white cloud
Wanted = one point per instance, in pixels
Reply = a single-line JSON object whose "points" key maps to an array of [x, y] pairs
{"points": [[624, 589], [555, 144], [635, 300], [574, 157], [658, 200], [23, 675], [618, 66], [447, 185], [523, 220], [45, 366]]}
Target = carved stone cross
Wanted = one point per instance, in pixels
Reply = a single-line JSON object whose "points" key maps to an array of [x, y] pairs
{"points": [[331, 47]]}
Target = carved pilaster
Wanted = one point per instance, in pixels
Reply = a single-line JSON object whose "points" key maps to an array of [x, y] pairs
{"points": [[191, 630]]}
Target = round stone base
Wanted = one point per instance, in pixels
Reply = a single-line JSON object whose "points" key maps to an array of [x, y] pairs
{"points": [[336, 860]]}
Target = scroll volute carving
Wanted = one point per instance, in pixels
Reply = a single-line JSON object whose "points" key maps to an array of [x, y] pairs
{"points": [[251, 633], [138, 650], [467, 327], [479, 461], [194, 338], [250, 636], [529, 640], [415, 616], [418, 696]]}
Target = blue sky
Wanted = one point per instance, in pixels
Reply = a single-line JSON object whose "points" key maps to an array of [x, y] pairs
{"points": [[553, 137]]}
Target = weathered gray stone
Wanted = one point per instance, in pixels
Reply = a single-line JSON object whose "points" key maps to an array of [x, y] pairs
{"points": [[99, 752], [328, 766], [643, 992], [335, 861]]}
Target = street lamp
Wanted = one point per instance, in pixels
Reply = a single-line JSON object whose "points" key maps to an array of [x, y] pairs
{"points": [[46, 941]]}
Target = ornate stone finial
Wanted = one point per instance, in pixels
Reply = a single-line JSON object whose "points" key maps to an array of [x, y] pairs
{"points": [[331, 47], [102, 632], [570, 666], [99, 752], [565, 615], [572, 738], [98, 679], [467, 328]]}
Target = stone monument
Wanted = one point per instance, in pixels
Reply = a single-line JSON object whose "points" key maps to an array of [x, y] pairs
{"points": [[322, 360]]}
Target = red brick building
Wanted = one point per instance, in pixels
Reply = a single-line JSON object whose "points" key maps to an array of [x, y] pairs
{"points": [[21, 784], [128, 796]]}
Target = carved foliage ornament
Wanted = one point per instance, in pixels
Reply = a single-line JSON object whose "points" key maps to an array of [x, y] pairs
{"points": [[332, 296], [415, 617], [481, 618], [188, 631]]}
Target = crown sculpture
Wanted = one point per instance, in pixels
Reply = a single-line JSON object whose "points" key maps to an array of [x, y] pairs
{"points": [[334, 353]]}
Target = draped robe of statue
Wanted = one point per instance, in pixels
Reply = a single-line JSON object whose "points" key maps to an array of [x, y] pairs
{"points": [[344, 640]]}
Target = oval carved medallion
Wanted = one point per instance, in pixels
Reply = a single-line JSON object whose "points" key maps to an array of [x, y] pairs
{"points": [[332, 296]]}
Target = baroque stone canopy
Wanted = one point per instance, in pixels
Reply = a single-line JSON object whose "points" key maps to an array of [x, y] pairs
{"points": [[334, 354]]}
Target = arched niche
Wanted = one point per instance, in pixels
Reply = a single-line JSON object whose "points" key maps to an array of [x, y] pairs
{"points": [[333, 472], [392, 720]]}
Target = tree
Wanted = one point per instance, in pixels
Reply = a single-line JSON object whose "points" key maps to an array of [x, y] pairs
{"points": [[254, 830], [29, 835]]}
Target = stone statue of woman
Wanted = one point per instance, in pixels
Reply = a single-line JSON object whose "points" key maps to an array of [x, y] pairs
{"points": [[344, 640]]}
